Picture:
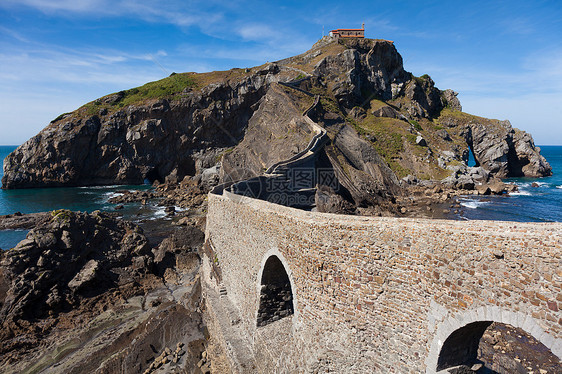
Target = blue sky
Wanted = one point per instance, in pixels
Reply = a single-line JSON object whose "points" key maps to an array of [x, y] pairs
{"points": [[503, 57]]}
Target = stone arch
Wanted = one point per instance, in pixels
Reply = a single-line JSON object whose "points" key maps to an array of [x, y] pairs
{"points": [[456, 339], [275, 284]]}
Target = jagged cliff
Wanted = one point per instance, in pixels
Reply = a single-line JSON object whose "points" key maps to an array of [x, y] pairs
{"points": [[384, 125]]}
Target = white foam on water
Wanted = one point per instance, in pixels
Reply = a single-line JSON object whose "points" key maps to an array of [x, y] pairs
{"points": [[473, 204], [535, 183], [101, 187], [159, 213], [109, 195], [559, 187], [520, 193]]}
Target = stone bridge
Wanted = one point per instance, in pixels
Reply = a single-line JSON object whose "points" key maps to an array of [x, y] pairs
{"points": [[292, 291]]}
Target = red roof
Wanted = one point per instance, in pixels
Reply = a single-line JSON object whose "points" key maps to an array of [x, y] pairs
{"points": [[347, 30]]}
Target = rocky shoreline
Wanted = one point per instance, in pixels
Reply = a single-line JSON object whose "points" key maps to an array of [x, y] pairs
{"points": [[92, 292]]}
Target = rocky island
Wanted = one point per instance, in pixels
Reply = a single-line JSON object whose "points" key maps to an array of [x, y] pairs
{"points": [[389, 144], [385, 125]]}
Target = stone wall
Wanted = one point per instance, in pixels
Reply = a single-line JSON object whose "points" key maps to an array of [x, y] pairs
{"points": [[383, 294]]}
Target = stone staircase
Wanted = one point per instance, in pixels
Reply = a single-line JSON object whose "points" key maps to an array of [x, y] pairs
{"points": [[290, 182]]}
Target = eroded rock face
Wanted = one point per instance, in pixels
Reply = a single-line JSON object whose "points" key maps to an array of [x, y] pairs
{"points": [[506, 152], [367, 66], [156, 141], [530, 161], [328, 201], [424, 100], [73, 256], [452, 100]]}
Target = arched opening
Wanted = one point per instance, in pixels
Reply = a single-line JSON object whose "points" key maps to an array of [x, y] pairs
{"points": [[461, 347], [276, 295], [472, 161], [493, 347], [153, 175]]}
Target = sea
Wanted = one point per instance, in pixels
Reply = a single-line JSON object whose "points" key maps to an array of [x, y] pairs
{"points": [[538, 200], [83, 199]]}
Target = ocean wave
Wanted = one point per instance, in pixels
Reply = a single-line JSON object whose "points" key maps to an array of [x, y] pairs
{"points": [[559, 187], [520, 193], [159, 212], [530, 184], [109, 195], [473, 204], [102, 187]]}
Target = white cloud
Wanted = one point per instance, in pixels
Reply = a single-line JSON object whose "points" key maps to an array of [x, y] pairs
{"points": [[66, 66], [179, 13], [257, 32], [13, 34], [48, 6]]}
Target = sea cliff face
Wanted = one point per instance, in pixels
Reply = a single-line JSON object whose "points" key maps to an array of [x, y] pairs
{"points": [[384, 125]]}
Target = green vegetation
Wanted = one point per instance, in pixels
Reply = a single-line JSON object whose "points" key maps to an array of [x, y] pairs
{"points": [[388, 140], [60, 117], [398, 169], [416, 125], [421, 80], [375, 104], [300, 76], [447, 112], [61, 215], [163, 88], [329, 104], [168, 88], [411, 138]]}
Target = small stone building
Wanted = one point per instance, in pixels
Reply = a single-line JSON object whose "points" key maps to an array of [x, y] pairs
{"points": [[348, 33]]}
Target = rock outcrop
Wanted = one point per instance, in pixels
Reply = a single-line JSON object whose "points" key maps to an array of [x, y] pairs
{"points": [[504, 151], [74, 255], [275, 132], [87, 293]]}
